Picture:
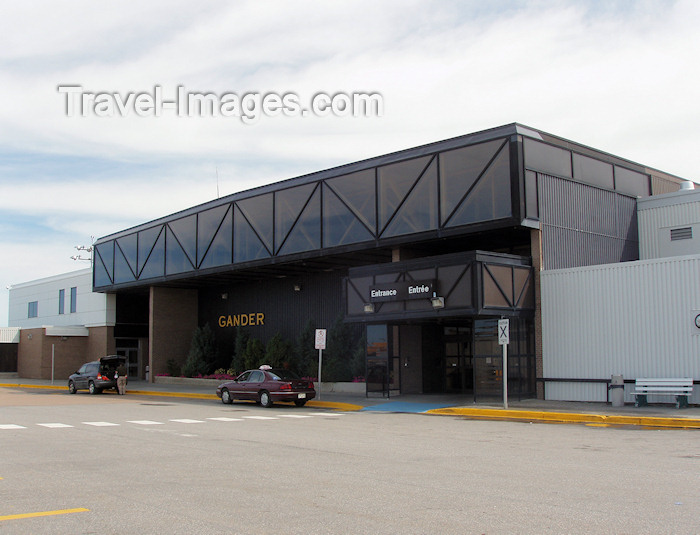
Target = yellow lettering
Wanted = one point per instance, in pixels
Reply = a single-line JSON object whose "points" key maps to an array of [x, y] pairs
{"points": [[236, 320], [229, 322], [222, 321], [251, 318], [261, 318]]}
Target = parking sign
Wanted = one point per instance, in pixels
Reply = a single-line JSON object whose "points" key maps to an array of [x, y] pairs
{"points": [[320, 339]]}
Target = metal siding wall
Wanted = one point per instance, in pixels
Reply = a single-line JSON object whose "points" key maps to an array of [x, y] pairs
{"points": [[584, 225], [653, 219], [633, 319]]}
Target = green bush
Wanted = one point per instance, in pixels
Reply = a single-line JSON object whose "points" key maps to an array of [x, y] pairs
{"points": [[254, 354], [306, 354], [203, 354], [240, 345], [278, 353]]}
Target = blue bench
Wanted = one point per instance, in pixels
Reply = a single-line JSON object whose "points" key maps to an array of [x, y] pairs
{"points": [[682, 389]]}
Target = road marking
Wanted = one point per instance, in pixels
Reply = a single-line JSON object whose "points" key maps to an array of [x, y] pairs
{"points": [[326, 413], [11, 426], [100, 424], [44, 513], [260, 418], [294, 416], [144, 422], [225, 419], [55, 425], [187, 421]]}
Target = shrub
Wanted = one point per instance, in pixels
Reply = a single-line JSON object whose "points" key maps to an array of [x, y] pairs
{"points": [[278, 353], [254, 354], [202, 355]]}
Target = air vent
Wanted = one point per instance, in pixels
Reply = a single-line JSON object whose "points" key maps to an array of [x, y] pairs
{"points": [[685, 233]]}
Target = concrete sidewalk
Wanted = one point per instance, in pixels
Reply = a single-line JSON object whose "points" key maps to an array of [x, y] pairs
{"points": [[533, 410]]}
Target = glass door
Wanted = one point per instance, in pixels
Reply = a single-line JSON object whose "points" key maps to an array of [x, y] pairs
{"points": [[459, 369], [488, 361]]}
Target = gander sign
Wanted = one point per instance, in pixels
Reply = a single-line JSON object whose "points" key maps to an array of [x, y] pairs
{"points": [[401, 291], [254, 318]]}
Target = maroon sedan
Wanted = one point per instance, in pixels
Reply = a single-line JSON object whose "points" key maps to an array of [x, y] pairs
{"points": [[266, 386]]}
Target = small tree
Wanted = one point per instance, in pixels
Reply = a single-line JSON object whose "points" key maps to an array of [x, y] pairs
{"points": [[202, 355], [339, 352], [240, 345], [278, 352], [254, 354], [306, 354]]}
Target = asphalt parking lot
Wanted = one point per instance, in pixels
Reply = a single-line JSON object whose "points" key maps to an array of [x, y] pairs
{"points": [[139, 464]]}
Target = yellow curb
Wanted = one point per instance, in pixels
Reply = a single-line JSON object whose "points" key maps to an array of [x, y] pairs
{"points": [[569, 417], [44, 513], [18, 385], [335, 405]]}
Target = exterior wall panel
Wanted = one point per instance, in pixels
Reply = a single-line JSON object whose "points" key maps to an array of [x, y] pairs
{"points": [[634, 319], [655, 216]]}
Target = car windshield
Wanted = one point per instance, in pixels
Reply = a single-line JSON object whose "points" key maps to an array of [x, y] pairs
{"points": [[283, 375]]}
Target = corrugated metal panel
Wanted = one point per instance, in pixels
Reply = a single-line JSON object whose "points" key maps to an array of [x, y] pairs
{"points": [[9, 335], [634, 319], [584, 225], [653, 219]]}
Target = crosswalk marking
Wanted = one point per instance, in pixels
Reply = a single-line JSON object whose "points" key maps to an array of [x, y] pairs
{"points": [[59, 425], [101, 424], [144, 422]]}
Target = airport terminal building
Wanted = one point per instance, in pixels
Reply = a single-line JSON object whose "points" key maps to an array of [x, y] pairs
{"points": [[422, 250]]}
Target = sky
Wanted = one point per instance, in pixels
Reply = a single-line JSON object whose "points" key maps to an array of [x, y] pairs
{"points": [[619, 76]]}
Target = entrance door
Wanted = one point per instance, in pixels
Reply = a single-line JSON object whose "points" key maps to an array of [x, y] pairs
{"points": [[459, 369], [132, 362]]}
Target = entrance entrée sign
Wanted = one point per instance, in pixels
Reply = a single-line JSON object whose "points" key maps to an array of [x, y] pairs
{"points": [[401, 291]]}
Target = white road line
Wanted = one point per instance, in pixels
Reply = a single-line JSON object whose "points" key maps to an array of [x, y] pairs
{"points": [[55, 426], [294, 416], [101, 424], [11, 426], [187, 421], [327, 413], [224, 419], [261, 418], [144, 422]]}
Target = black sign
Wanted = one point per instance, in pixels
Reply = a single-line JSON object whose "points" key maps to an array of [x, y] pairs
{"points": [[401, 291]]}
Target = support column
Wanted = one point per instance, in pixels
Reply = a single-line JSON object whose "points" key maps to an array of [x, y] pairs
{"points": [[172, 319], [536, 253]]}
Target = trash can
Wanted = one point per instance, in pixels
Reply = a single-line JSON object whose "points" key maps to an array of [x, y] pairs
{"points": [[147, 374], [617, 390]]}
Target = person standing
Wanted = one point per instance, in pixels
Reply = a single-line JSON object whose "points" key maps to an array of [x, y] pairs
{"points": [[121, 379]]}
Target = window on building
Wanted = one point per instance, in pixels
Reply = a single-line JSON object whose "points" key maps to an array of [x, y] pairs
{"points": [[33, 309], [73, 299], [61, 301]]}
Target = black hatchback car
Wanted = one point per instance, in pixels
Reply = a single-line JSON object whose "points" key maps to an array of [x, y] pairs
{"points": [[96, 376]]}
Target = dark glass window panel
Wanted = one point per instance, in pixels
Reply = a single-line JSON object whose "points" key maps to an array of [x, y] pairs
{"points": [[395, 182], [498, 286], [593, 171], [419, 211], [340, 225], [186, 231], [306, 233], [122, 270], [631, 182], [104, 264], [531, 204], [524, 291], [155, 259], [246, 243], [61, 301], [147, 239], [490, 198], [288, 206], [259, 212], [176, 260], [358, 191], [456, 285], [546, 158], [127, 245], [377, 341], [208, 223], [219, 250], [459, 170], [73, 300]]}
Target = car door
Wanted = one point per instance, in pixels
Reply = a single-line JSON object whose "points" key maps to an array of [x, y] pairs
{"points": [[80, 379], [238, 387], [254, 384]]}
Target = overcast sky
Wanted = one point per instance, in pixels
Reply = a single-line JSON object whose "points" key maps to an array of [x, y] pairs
{"points": [[621, 77]]}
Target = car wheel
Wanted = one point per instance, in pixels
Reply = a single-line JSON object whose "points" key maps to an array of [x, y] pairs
{"points": [[71, 387], [265, 399], [300, 402], [92, 388], [226, 397]]}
